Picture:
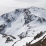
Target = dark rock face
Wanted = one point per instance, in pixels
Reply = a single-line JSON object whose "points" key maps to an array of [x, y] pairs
{"points": [[2, 27], [28, 19], [26, 11], [27, 16], [22, 35], [8, 20], [2, 15], [17, 11], [38, 35], [8, 40], [5, 16], [41, 42], [41, 20]]}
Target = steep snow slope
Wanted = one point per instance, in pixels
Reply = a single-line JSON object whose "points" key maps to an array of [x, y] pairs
{"points": [[22, 24]]}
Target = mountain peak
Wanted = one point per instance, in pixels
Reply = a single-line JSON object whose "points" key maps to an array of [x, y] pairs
{"points": [[22, 24]]}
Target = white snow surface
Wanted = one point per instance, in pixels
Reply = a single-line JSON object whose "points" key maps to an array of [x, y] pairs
{"points": [[17, 27]]}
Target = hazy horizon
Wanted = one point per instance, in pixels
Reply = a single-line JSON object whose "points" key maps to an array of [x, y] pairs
{"points": [[11, 5]]}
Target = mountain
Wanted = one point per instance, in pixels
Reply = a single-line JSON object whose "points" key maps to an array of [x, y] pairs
{"points": [[23, 26]]}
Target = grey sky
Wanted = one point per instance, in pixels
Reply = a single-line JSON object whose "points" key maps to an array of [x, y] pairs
{"points": [[28, 1], [10, 5]]}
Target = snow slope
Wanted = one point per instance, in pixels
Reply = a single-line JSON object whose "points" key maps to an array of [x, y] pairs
{"points": [[23, 24]]}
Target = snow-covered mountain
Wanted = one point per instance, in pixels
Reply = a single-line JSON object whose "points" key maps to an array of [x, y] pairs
{"points": [[21, 26]]}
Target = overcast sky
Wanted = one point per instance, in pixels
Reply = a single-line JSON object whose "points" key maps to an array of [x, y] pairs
{"points": [[10, 5]]}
